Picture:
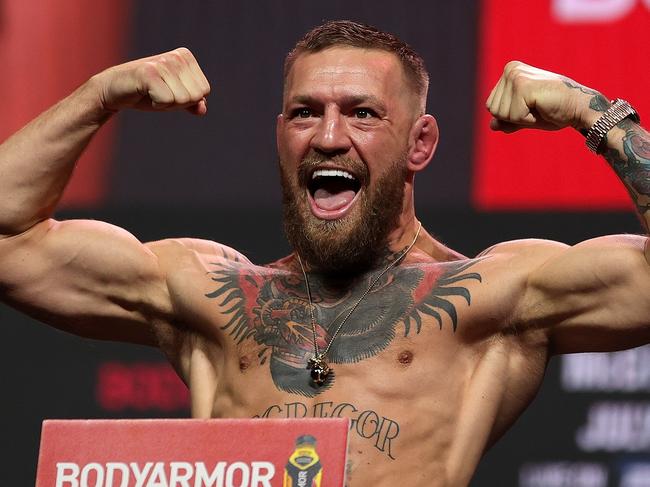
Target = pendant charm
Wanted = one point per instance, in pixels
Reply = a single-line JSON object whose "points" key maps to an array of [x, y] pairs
{"points": [[319, 369]]}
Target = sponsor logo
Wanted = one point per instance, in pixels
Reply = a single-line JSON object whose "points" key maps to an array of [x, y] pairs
{"points": [[164, 474], [594, 10], [303, 467]]}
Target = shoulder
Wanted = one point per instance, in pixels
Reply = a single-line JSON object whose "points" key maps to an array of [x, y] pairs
{"points": [[187, 265], [507, 267], [525, 254], [618, 251], [525, 247], [177, 249]]}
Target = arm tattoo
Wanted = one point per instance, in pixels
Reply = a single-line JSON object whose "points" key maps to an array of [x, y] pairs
{"points": [[633, 167], [598, 102], [271, 307]]}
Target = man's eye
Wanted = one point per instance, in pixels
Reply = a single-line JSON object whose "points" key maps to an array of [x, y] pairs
{"points": [[302, 113], [364, 113]]}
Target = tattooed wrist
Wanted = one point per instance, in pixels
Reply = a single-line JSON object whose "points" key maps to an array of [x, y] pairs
{"points": [[573, 85], [598, 103]]}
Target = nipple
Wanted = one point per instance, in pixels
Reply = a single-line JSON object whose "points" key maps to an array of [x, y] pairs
{"points": [[405, 357], [244, 363]]}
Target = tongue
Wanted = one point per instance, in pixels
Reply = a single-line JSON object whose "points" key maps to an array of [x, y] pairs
{"points": [[332, 201]]}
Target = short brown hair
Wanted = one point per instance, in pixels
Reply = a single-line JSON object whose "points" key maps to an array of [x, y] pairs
{"points": [[354, 34]]}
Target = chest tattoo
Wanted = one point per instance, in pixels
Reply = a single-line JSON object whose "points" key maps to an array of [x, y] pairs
{"points": [[272, 308]]}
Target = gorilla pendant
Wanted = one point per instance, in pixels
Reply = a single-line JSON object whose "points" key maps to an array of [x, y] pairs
{"points": [[319, 369]]}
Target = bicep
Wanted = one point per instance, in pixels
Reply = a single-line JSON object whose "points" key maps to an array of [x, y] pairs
{"points": [[594, 296], [87, 277]]}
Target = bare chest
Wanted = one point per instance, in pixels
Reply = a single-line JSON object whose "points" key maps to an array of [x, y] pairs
{"points": [[405, 352], [270, 318]]}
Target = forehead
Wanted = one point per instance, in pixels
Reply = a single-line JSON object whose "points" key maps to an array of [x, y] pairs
{"points": [[346, 69]]}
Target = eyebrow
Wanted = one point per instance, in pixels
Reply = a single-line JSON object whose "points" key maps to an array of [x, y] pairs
{"points": [[347, 100]]}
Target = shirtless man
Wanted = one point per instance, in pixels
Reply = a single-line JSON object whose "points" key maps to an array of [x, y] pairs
{"points": [[432, 354]]}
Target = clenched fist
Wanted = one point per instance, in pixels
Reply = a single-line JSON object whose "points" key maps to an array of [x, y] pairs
{"points": [[167, 81], [528, 97]]}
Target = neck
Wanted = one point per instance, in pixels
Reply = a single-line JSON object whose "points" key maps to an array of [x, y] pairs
{"points": [[393, 255], [403, 235], [407, 224]]}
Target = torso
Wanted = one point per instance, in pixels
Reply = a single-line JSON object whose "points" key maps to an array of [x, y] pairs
{"points": [[429, 367]]}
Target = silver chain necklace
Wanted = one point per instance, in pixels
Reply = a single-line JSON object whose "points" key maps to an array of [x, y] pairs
{"points": [[320, 369]]}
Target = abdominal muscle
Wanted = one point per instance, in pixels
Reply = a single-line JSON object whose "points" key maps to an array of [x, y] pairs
{"points": [[423, 417]]}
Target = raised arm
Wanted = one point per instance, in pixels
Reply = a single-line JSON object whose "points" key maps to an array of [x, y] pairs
{"points": [[593, 296], [87, 277]]}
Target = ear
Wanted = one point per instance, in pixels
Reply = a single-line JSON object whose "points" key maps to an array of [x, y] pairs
{"points": [[423, 142]]}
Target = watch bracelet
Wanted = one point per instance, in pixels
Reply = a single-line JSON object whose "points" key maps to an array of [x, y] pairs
{"points": [[619, 110]]}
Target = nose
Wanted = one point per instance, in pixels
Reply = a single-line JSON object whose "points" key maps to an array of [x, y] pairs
{"points": [[331, 136]]}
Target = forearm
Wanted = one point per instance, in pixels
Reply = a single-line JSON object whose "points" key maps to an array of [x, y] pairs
{"points": [[37, 161], [628, 153], [626, 148]]}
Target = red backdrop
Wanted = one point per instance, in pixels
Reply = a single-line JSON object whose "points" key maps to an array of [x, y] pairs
{"points": [[600, 43], [48, 48]]}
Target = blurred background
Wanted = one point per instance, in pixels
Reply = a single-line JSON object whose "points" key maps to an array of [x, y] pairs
{"points": [[162, 175]]}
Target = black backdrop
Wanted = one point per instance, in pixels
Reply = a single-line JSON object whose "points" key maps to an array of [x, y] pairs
{"points": [[228, 160], [173, 175]]}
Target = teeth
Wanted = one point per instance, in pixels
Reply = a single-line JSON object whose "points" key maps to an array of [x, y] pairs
{"points": [[331, 172]]}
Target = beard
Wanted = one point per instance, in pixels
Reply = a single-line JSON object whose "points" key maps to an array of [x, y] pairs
{"points": [[355, 242]]}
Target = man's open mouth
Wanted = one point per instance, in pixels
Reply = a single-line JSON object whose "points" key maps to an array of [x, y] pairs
{"points": [[332, 192]]}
